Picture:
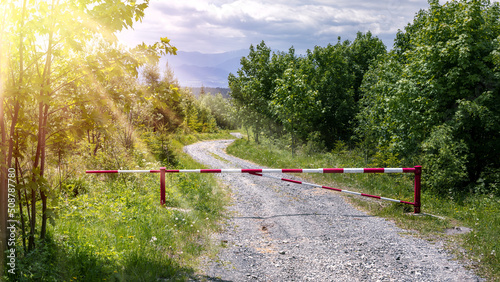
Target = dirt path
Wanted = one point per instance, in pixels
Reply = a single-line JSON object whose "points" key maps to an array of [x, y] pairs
{"points": [[281, 231]]}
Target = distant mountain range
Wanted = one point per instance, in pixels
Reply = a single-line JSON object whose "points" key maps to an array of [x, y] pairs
{"points": [[195, 69]]}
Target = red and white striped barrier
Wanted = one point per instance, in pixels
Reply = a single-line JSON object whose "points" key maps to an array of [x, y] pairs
{"points": [[268, 170], [417, 170]]}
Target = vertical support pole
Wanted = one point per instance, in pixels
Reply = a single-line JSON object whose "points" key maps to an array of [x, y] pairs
{"points": [[418, 174], [162, 186]]}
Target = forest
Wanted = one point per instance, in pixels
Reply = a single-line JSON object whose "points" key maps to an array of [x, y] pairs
{"points": [[432, 100], [73, 98]]}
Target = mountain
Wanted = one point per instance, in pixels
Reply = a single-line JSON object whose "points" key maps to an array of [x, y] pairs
{"points": [[195, 69]]}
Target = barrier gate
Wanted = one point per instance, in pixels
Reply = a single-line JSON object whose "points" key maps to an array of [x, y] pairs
{"points": [[417, 170]]}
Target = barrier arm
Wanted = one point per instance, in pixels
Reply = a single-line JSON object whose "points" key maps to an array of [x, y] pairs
{"points": [[417, 170]]}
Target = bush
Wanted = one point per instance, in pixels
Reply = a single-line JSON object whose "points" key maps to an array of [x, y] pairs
{"points": [[445, 161]]}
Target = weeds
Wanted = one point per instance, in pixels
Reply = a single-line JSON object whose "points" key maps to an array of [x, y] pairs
{"points": [[112, 227], [480, 213]]}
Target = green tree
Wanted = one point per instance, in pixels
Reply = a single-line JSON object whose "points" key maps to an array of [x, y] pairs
{"points": [[254, 85], [294, 102], [222, 109], [440, 81], [62, 63]]}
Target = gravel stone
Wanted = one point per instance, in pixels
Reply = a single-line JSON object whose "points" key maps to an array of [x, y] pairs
{"points": [[280, 232]]}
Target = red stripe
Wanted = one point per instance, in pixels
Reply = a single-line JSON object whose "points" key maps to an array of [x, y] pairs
{"points": [[171, 170], [373, 170], [253, 173], [291, 170], [331, 188], [333, 170], [102, 171], [210, 171], [409, 203], [155, 171], [291, 180], [251, 170], [371, 196], [409, 169]]}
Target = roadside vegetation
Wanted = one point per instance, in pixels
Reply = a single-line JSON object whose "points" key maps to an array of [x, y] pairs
{"points": [[480, 213], [74, 99], [432, 100]]}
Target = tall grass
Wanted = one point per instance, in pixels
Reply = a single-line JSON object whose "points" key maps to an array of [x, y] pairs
{"points": [[112, 227], [481, 213]]}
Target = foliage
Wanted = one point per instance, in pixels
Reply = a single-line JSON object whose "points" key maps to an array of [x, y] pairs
{"points": [[440, 83], [70, 94], [481, 213], [299, 93], [115, 229], [222, 109]]}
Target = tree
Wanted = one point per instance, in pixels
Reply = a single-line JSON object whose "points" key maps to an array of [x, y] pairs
{"points": [[440, 81], [254, 85], [295, 103], [58, 58]]}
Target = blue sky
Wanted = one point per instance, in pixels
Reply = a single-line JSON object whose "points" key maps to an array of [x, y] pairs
{"points": [[223, 25]]}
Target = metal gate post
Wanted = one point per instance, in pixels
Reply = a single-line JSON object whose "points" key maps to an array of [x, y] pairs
{"points": [[416, 204], [162, 186]]}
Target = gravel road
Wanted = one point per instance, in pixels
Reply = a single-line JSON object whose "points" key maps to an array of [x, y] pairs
{"points": [[281, 231]]}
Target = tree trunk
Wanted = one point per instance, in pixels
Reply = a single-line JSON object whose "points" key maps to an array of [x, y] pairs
{"points": [[44, 118], [6, 157], [23, 223], [3, 191], [43, 193]]}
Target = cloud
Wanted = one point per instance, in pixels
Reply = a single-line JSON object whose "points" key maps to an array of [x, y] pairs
{"points": [[223, 25]]}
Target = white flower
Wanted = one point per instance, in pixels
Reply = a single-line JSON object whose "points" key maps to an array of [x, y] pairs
{"points": [[153, 239]]}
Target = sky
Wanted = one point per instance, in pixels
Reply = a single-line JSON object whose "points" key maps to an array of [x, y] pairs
{"points": [[226, 25]]}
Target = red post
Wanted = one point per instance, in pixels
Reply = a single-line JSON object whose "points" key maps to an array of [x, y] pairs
{"points": [[162, 186], [416, 204]]}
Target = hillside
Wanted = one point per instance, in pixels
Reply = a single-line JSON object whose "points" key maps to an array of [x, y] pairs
{"points": [[194, 69]]}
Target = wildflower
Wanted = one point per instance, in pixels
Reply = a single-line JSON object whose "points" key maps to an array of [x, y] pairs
{"points": [[153, 239]]}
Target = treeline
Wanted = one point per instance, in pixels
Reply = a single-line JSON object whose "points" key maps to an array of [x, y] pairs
{"points": [[432, 100], [72, 97], [304, 95]]}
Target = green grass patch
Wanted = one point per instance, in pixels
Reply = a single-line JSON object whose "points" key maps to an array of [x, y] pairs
{"points": [[481, 213], [114, 229]]}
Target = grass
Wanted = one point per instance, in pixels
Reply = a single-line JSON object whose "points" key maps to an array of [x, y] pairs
{"points": [[116, 230], [481, 213]]}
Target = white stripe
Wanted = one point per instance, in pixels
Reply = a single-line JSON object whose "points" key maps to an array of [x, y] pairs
{"points": [[389, 199], [271, 170], [353, 170], [311, 184], [190, 170], [133, 171], [350, 192], [393, 170], [312, 170], [231, 170]]}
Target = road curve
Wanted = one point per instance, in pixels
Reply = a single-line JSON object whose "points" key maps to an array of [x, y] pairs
{"points": [[280, 231]]}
